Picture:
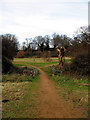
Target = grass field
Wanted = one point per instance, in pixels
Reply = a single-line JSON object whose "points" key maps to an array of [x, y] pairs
{"points": [[20, 93], [39, 62]]}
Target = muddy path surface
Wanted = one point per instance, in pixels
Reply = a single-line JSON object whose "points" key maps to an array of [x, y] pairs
{"points": [[51, 104]]}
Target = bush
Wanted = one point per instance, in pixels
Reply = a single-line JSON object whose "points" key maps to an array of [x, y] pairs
{"points": [[9, 50], [20, 54], [20, 74], [79, 65], [6, 65]]}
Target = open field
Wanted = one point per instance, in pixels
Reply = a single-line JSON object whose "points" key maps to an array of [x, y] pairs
{"points": [[46, 95], [39, 62]]}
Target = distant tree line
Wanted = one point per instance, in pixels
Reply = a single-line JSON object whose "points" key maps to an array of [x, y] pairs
{"points": [[43, 46], [37, 45]]}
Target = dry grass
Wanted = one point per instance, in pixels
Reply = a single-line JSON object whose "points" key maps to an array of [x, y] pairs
{"points": [[21, 99]]}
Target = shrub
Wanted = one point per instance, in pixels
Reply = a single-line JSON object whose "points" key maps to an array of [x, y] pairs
{"points": [[9, 50], [80, 65], [6, 65], [20, 74], [20, 54]]}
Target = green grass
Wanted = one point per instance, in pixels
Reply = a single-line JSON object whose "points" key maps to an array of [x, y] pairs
{"points": [[35, 64], [16, 64], [17, 78], [71, 81], [71, 88], [67, 60], [39, 62], [22, 98]]}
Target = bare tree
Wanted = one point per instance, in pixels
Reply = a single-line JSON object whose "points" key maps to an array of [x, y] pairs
{"points": [[9, 45], [40, 42]]}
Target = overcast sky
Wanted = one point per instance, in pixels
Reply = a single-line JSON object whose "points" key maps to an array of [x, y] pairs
{"points": [[30, 18]]}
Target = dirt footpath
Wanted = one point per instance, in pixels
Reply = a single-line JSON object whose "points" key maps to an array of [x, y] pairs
{"points": [[51, 105]]}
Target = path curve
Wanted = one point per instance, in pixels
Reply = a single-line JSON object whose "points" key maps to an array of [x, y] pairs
{"points": [[51, 104]]}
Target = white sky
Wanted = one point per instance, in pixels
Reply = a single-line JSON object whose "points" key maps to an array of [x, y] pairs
{"points": [[30, 18]]}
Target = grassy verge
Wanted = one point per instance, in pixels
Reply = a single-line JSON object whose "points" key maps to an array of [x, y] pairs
{"points": [[20, 97], [72, 89]]}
